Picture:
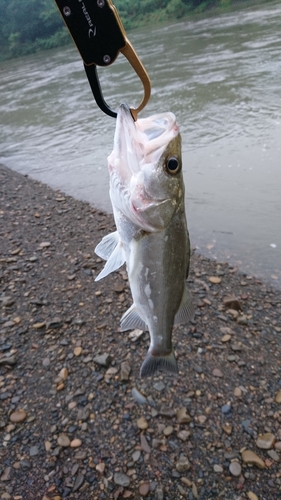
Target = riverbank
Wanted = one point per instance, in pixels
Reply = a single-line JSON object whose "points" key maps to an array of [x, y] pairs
{"points": [[70, 425]]}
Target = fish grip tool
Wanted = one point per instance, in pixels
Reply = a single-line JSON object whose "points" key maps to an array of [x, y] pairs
{"points": [[99, 36]]}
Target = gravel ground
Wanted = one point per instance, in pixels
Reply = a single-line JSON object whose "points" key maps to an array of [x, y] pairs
{"points": [[76, 420]]}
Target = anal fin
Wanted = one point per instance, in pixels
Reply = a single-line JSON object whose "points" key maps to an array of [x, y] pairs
{"points": [[131, 319], [186, 309]]}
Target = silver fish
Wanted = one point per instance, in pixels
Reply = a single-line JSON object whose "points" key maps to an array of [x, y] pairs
{"points": [[147, 195]]}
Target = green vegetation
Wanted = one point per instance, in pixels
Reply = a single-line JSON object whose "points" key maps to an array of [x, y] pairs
{"points": [[28, 26]]}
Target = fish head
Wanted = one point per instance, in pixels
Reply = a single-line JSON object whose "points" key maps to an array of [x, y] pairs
{"points": [[145, 167]]}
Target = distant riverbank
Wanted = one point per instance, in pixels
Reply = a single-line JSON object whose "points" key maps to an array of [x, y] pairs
{"points": [[35, 27]]}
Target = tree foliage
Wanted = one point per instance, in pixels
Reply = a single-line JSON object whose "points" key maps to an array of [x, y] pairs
{"points": [[27, 26]]}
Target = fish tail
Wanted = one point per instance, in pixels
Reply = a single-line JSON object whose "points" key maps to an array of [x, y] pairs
{"points": [[153, 363]]}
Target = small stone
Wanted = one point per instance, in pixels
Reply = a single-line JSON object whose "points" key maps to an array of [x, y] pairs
{"points": [[75, 443], [183, 464], [252, 496], [138, 397], [168, 430], [142, 423], [183, 417], [39, 325], [136, 455], [218, 468], [77, 351], [125, 371], [226, 338], [34, 450], [6, 474], [231, 302], [121, 479], [225, 409], [78, 483], [63, 374], [159, 386], [217, 373], [242, 320], [103, 360], [215, 280], [272, 454], [278, 397], [183, 435], [46, 362], [18, 416], [249, 457], [63, 440], [100, 467], [227, 428], [277, 445], [48, 445], [237, 392], [144, 444], [235, 469], [144, 489], [265, 441], [111, 371]]}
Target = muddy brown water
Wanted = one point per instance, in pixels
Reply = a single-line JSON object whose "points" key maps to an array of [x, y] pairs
{"points": [[220, 75]]}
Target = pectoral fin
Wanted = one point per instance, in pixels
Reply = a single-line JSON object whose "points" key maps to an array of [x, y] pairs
{"points": [[186, 309], [116, 260], [131, 320], [107, 245]]}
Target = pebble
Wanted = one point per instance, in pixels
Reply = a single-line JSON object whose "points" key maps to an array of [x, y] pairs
{"points": [[278, 397], [183, 417], [159, 386], [237, 392], [215, 280], [63, 374], [272, 454], [125, 371], [227, 428], [249, 457], [226, 338], [6, 474], [265, 441], [142, 423], [138, 397], [252, 496], [235, 469], [183, 464], [75, 443], [225, 409], [78, 483], [63, 440], [103, 360], [183, 435], [144, 489], [34, 450], [168, 430], [100, 467], [217, 373], [136, 455], [77, 351], [231, 302], [218, 468], [121, 479], [18, 416], [144, 444]]}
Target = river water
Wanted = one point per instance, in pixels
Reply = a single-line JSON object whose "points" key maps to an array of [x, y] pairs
{"points": [[220, 75]]}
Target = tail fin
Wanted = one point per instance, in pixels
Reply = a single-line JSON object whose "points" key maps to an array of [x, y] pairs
{"points": [[153, 363]]}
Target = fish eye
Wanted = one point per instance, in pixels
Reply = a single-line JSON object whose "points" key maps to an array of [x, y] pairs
{"points": [[173, 165]]}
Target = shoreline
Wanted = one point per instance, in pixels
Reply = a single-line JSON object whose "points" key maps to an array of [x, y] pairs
{"points": [[66, 368]]}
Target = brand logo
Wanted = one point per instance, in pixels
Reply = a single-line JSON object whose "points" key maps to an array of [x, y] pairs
{"points": [[89, 20]]}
